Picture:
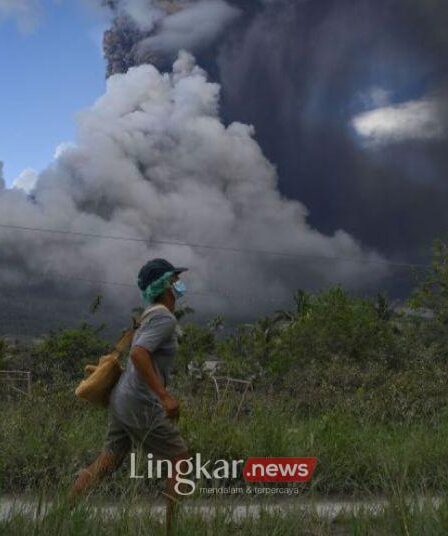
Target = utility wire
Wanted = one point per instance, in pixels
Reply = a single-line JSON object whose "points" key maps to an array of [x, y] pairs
{"points": [[214, 247], [221, 294], [104, 282]]}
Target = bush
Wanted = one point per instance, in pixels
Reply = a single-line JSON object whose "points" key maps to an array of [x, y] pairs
{"points": [[3, 348], [333, 324], [62, 356], [431, 298], [197, 343]]}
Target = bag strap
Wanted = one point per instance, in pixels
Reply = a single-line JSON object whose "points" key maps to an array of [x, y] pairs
{"points": [[125, 340], [149, 310]]}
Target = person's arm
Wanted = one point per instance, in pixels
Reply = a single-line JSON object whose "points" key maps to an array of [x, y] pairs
{"points": [[143, 363]]}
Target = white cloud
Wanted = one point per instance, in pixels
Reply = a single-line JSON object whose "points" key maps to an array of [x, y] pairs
{"points": [[62, 148], [413, 120], [27, 180], [25, 12]]}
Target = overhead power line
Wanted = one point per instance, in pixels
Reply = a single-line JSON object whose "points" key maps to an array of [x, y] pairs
{"points": [[215, 247], [207, 293]]}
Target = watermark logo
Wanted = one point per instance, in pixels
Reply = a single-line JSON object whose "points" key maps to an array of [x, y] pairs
{"points": [[189, 471], [279, 469]]}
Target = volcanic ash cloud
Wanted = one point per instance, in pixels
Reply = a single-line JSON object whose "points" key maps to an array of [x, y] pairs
{"points": [[154, 161], [153, 31]]}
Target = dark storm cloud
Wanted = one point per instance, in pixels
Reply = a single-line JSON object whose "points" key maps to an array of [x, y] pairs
{"points": [[301, 72]]}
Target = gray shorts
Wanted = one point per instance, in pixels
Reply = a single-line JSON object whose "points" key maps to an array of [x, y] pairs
{"points": [[162, 439]]}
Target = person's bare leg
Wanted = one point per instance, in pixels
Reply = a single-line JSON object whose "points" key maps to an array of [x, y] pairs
{"points": [[172, 497], [106, 463]]}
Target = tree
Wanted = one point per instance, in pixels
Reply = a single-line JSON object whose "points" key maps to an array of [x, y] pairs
{"points": [[432, 293], [3, 348], [431, 298], [383, 307], [96, 304], [303, 304]]}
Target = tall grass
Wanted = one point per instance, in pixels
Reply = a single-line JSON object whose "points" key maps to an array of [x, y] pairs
{"points": [[46, 439], [84, 521]]}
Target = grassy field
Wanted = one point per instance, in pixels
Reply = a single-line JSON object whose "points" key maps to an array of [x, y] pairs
{"points": [[349, 380], [47, 438]]}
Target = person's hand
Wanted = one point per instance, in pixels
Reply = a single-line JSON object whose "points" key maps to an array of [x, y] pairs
{"points": [[171, 406]]}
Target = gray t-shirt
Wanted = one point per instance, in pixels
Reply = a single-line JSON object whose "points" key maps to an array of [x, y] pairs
{"points": [[132, 401]]}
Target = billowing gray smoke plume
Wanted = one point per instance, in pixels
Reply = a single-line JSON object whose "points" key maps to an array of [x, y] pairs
{"points": [[2, 179], [154, 161], [348, 99], [153, 31]]}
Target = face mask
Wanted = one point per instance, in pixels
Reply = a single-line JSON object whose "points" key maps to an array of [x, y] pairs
{"points": [[179, 289]]}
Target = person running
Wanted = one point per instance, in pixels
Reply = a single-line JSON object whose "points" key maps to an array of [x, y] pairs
{"points": [[142, 412]]}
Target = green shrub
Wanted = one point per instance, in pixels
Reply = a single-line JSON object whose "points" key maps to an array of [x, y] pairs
{"points": [[3, 348], [326, 325], [431, 298], [197, 343], [62, 356]]}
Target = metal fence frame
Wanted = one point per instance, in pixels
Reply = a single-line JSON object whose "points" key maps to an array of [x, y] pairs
{"points": [[222, 384], [16, 382]]}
